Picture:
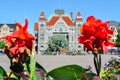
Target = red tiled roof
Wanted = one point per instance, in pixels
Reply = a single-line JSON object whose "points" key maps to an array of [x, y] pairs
{"points": [[42, 16], [35, 26], [68, 21], [53, 21], [65, 18], [79, 17]]}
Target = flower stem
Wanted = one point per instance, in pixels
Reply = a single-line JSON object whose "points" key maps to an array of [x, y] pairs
{"points": [[97, 63]]}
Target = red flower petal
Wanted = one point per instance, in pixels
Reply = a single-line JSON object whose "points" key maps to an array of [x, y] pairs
{"points": [[104, 47], [110, 44], [7, 38], [17, 34], [18, 25], [26, 25], [90, 19]]}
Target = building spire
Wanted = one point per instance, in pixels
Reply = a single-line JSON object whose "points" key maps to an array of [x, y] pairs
{"points": [[42, 16], [79, 17]]}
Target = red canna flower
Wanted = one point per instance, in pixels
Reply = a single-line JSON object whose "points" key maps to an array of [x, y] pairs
{"points": [[20, 40], [95, 35]]}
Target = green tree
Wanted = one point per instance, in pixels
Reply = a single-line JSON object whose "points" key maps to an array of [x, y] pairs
{"points": [[56, 42], [2, 43], [118, 39]]}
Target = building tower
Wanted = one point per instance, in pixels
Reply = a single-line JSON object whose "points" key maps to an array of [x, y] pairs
{"points": [[41, 32], [78, 23]]}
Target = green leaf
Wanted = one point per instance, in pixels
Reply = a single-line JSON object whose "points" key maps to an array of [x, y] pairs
{"points": [[2, 72], [11, 79], [27, 63], [2, 44], [35, 77], [32, 66], [38, 66], [40, 72], [68, 72], [91, 75], [95, 64], [114, 70]]}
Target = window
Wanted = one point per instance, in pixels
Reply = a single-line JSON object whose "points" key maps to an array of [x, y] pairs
{"points": [[42, 25], [78, 34], [79, 46], [48, 29], [67, 37], [72, 29], [36, 40], [42, 35], [41, 45], [36, 35], [79, 25], [6, 28], [72, 38], [41, 38], [3, 29], [60, 29], [11, 30], [118, 24], [112, 28]]}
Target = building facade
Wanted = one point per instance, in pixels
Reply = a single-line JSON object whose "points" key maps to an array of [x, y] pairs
{"points": [[115, 33], [59, 23], [7, 29]]}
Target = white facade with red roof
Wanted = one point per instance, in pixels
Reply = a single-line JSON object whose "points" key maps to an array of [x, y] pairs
{"points": [[59, 23]]}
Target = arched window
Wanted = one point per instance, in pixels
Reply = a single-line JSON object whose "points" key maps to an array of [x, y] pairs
{"points": [[67, 37], [42, 25]]}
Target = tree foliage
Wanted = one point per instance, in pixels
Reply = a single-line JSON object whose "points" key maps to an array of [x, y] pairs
{"points": [[118, 39], [56, 42], [2, 43]]}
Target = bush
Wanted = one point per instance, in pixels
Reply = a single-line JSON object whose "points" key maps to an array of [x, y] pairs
{"points": [[2, 44]]}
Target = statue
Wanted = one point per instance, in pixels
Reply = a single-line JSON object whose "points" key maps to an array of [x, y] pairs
{"points": [[62, 44]]}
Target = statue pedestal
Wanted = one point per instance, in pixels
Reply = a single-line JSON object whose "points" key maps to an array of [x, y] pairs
{"points": [[63, 50]]}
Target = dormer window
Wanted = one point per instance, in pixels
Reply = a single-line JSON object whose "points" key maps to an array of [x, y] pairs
{"points": [[11, 30], [48, 29]]}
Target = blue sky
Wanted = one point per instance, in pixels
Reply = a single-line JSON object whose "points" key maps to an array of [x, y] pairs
{"points": [[12, 11]]}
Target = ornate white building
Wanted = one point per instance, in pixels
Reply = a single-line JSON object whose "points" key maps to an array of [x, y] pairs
{"points": [[7, 29], [59, 23], [115, 33]]}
